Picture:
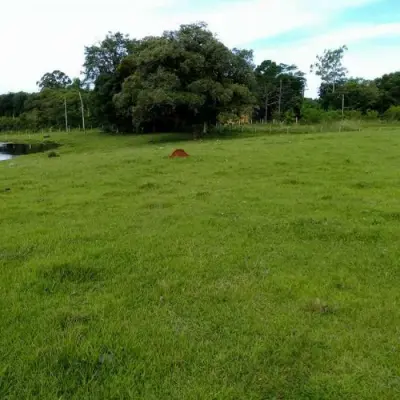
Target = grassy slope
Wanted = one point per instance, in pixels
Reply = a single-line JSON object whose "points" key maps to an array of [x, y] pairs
{"points": [[259, 268]]}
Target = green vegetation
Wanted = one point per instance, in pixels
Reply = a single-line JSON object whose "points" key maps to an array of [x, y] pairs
{"points": [[187, 80], [264, 267]]}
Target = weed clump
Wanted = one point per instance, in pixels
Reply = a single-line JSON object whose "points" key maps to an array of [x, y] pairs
{"points": [[52, 154]]}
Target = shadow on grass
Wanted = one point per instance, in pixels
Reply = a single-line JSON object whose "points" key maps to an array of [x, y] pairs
{"points": [[170, 138], [245, 131]]}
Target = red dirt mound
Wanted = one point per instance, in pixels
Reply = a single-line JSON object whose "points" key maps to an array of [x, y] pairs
{"points": [[179, 153]]}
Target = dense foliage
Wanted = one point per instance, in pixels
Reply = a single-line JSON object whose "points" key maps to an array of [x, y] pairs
{"points": [[188, 80]]}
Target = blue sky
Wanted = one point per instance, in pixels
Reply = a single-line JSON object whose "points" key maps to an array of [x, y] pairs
{"points": [[43, 35]]}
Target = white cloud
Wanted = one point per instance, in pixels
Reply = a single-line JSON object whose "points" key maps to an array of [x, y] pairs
{"points": [[247, 21], [44, 35]]}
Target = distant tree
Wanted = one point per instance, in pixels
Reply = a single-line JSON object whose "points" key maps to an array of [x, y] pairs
{"points": [[76, 84], [46, 109], [12, 104], [54, 80], [280, 88], [104, 58], [354, 94], [101, 70], [267, 74], [329, 67], [360, 95], [389, 91]]}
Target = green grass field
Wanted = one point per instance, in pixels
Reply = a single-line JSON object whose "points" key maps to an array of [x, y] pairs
{"points": [[258, 268]]}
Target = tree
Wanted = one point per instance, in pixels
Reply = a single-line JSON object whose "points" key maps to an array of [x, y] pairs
{"points": [[105, 57], [12, 104], [329, 66], [46, 109], [76, 84], [360, 95], [101, 70], [54, 80], [354, 94], [184, 78], [389, 91], [280, 88]]}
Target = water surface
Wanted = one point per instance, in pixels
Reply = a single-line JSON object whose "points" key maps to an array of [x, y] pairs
{"points": [[4, 156], [10, 150]]}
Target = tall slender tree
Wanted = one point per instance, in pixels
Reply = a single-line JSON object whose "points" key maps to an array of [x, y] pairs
{"points": [[329, 66]]}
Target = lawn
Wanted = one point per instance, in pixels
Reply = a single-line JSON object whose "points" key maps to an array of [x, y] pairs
{"points": [[258, 268]]}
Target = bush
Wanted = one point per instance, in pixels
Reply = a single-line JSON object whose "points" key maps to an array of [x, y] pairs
{"points": [[393, 113], [331, 116], [52, 154], [353, 114], [10, 124], [289, 117], [371, 115], [350, 125], [311, 115]]}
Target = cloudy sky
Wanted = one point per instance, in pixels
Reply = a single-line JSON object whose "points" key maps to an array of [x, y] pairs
{"points": [[38, 36]]}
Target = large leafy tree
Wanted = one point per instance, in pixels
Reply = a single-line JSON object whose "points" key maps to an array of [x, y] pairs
{"points": [[329, 66], [54, 80], [185, 78]]}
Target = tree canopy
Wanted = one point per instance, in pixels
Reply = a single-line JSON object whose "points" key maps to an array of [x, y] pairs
{"points": [[54, 80], [188, 80], [184, 78], [329, 66]]}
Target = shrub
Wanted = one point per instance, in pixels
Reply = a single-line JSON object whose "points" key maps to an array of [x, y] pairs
{"points": [[310, 115], [393, 113], [353, 114], [289, 117], [371, 115], [331, 116]]}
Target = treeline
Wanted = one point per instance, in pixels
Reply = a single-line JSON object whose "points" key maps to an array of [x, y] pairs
{"points": [[188, 80]]}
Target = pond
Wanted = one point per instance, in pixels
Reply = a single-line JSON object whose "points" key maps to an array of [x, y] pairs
{"points": [[10, 150], [4, 156]]}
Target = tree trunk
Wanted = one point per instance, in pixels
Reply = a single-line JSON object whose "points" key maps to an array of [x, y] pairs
{"points": [[266, 108], [205, 127], [65, 114], [83, 112], [280, 98]]}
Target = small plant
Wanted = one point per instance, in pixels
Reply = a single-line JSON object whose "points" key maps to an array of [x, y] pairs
{"points": [[52, 154], [371, 115], [320, 307]]}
